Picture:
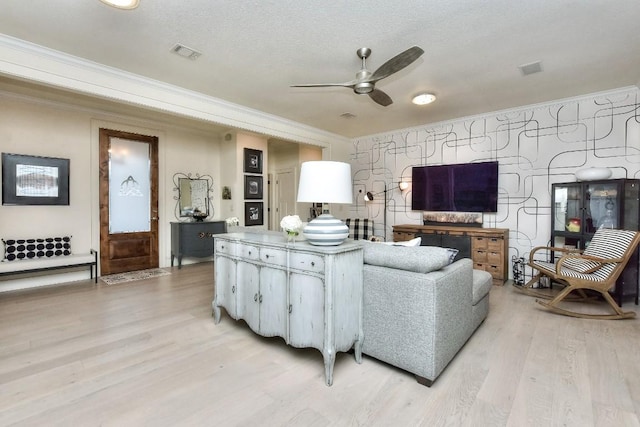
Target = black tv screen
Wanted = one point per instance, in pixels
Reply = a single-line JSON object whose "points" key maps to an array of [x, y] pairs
{"points": [[466, 187]]}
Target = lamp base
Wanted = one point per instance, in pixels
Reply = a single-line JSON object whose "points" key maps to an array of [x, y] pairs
{"points": [[326, 230]]}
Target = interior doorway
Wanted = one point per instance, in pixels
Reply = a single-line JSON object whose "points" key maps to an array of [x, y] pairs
{"points": [[128, 201], [285, 194]]}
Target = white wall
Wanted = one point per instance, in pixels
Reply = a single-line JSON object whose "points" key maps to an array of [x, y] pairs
{"points": [[43, 128], [535, 145]]}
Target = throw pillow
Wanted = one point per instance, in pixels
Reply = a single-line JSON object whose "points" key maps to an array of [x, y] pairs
{"points": [[452, 254], [18, 249], [410, 243]]}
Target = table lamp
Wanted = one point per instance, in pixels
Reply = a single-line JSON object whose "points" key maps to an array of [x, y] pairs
{"points": [[326, 182]]}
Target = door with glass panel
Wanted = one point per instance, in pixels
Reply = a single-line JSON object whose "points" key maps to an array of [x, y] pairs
{"points": [[128, 201]]}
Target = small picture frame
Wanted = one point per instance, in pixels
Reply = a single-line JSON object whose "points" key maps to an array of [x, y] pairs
{"points": [[253, 213], [252, 187], [226, 193], [34, 180], [252, 160]]}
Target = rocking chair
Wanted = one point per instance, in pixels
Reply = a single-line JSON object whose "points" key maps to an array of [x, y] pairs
{"points": [[596, 268]]}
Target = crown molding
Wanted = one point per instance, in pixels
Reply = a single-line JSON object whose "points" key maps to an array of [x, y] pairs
{"points": [[27, 61]]}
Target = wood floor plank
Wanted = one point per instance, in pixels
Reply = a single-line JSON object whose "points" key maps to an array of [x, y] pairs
{"points": [[148, 353]]}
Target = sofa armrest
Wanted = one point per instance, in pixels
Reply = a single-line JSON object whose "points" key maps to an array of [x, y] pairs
{"points": [[417, 321]]}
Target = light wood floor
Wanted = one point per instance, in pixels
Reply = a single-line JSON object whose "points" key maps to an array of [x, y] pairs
{"points": [[148, 353]]}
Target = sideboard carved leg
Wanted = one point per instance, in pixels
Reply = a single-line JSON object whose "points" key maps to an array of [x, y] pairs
{"points": [[216, 312], [329, 356]]}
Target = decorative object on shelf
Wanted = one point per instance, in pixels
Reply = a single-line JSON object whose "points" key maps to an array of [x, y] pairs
{"points": [[253, 213], [193, 200], [592, 174], [34, 180], [466, 218], [253, 187], [199, 216], [573, 225], [327, 182], [252, 161], [292, 226]]}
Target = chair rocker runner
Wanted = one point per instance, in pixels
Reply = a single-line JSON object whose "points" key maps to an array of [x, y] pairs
{"points": [[596, 268]]}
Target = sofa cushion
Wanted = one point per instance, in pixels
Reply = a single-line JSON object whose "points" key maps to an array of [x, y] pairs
{"points": [[420, 259], [482, 282]]}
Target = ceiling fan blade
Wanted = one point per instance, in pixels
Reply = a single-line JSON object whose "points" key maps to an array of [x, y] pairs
{"points": [[380, 97], [396, 63], [345, 84]]}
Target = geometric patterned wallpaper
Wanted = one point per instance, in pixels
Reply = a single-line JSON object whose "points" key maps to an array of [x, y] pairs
{"points": [[535, 146]]}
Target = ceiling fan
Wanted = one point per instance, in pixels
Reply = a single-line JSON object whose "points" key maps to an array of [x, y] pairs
{"points": [[365, 81]]}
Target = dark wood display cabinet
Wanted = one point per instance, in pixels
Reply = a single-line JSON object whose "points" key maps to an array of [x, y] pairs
{"points": [[194, 239], [578, 209]]}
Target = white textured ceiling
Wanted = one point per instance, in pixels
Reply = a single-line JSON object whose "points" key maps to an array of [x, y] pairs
{"points": [[253, 50]]}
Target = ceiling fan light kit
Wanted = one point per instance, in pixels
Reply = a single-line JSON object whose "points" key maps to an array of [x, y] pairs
{"points": [[423, 98], [122, 4], [365, 81]]}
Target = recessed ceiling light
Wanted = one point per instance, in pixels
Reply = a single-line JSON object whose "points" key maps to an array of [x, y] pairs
{"points": [[122, 4], [423, 99]]}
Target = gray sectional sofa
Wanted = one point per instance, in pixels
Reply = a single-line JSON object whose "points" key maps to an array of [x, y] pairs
{"points": [[419, 308]]}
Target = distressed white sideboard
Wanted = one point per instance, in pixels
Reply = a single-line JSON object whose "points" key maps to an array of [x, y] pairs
{"points": [[309, 295]]}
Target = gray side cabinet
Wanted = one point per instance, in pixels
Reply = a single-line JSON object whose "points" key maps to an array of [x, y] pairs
{"points": [[309, 295], [194, 239]]}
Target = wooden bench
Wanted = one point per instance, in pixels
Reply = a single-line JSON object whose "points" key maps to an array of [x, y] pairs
{"points": [[24, 266]]}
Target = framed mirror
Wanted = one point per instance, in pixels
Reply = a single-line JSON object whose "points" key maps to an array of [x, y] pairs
{"points": [[194, 198]]}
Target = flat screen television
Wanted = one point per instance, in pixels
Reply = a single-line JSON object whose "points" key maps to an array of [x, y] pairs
{"points": [[465, 187]]}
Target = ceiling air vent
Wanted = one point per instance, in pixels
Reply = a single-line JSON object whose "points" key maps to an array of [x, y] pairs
{"points": [[532, 68], [185, 52]]}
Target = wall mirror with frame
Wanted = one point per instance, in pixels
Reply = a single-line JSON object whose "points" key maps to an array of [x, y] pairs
{"points": [[194, 196]]}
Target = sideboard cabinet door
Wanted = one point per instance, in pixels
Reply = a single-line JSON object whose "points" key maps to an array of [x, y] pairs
{"points": [[273, 302], [225, 283], [306, 317], [248, 283]]}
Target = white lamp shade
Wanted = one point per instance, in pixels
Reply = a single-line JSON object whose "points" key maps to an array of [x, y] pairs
{"points": [[325, 182]]}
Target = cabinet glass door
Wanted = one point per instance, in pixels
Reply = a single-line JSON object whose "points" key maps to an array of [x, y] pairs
{"points": [[601, 208], [567, 212], [631, 206]]}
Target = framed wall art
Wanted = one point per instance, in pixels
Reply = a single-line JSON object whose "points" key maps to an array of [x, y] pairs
{"points": [[34, 180], [252, 160], [226, 193], [252, 187], [253, 213]]}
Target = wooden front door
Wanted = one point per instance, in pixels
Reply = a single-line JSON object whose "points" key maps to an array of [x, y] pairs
{"points": [[128, 201]]}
